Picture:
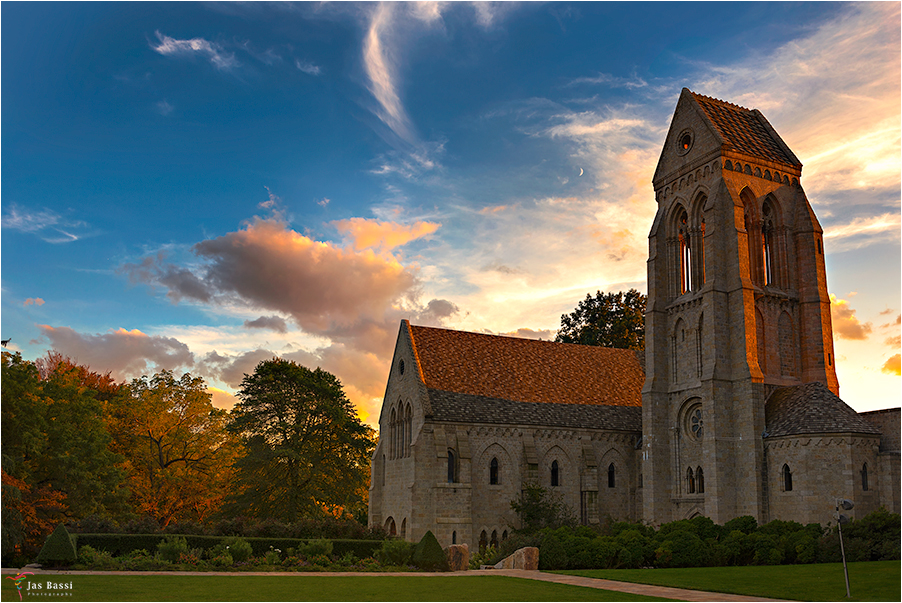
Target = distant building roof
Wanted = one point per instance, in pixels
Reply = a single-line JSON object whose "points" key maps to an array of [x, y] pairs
{"points": [[811, 408], [526, 370], [746, 130]]}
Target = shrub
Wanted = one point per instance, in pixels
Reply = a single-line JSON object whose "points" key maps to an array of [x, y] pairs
{"points": [[238, 548], [485, 557], [395, 552], [312, 548], [552, 554], [745, 524], [171, 548], [428, 554], [59, 549], [682, 549], [222, 560], [635, 549]]}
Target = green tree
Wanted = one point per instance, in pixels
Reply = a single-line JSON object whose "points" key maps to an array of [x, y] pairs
{"points": [[538, 508], [178, 451], [305, 449], [612, 320]]}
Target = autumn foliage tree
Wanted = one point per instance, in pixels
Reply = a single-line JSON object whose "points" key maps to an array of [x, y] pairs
{"points": [[177, 450], [613, 320], [57, 461], [305, 450]]}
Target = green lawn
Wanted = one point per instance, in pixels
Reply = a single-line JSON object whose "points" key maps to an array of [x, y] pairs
{"points": [[310, 587], [869, 581]]}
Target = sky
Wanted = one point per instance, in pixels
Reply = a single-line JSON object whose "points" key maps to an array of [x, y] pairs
{"points": [[200, 187]]}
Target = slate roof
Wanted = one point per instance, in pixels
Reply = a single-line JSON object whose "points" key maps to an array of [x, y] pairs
{"points": [[811, 408], [455, 407], [494, 368], [745, 130]]}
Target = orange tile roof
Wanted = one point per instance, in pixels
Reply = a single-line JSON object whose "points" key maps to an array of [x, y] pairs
{"points": [[526, 370], [745, 130]]}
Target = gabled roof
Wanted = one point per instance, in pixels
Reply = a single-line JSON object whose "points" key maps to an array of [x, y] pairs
{"points": [[811, 408], [526, 370], [745, 130]]}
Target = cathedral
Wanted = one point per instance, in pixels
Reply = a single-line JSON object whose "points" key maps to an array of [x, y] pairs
{"points": [[733, 408]]}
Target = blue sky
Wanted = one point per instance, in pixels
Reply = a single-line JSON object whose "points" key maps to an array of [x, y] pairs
{"points": [[199, 187]]}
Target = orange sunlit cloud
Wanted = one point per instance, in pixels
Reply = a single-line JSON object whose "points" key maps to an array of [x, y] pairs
{"points": [[845, 324], [373, 234], [893, 365]]}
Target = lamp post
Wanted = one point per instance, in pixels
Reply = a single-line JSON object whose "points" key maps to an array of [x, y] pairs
{"points": [[845, 505]]}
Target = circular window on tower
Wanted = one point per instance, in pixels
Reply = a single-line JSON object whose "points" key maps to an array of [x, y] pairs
{"points": [[684, 142], [695, 422]]}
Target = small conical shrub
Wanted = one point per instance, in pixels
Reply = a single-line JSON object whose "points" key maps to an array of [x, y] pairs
{"points": [[59, 548], [428, 554]]}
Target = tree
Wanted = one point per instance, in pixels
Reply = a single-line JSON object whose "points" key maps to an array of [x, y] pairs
{"points": [[305, 450], [613, 320], [539, 508], [55, 445], [178, 451]]}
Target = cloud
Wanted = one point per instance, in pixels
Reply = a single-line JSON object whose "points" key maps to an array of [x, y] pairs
{"points": [[33, 301], [373, 234], [307, 67], [327, 290], [845, 324], [380, 65], [863, 231], [273, 323], [126, 354], [545, 334], [893, 365], [46, 224], [164, 108], [196, 46], [611, 81], [222, 399]]}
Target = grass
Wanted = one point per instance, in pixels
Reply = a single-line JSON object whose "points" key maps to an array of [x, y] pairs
{"points": [[869, 581], [309, 587]]}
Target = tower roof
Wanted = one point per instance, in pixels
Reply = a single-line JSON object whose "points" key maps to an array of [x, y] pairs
{"points": [[811, 408], [526, 370], [745, 130]]}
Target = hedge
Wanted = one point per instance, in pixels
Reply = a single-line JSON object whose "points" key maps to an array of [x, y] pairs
{"points": [[122, 544]]}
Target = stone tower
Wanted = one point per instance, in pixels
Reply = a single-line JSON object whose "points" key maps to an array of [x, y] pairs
{"points": [[737, 307]]}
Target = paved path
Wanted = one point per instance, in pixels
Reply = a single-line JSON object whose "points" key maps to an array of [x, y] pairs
{"points": [[664, 592]]}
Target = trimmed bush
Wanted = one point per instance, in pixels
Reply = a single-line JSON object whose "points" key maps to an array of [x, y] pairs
{"points": [[313, 548], [238, 549], [428, 554], [394, 551], [59, 549]]}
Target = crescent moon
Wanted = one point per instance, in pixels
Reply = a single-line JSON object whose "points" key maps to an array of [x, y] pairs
{"points": [[580, 171]]}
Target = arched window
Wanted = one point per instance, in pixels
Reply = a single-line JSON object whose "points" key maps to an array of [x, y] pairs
{"points": [[555, 474], [454, 537], [787, 479], [494, 541], [390, 527], [700, 480], [690, 480], [611, 475], [408, 431], [393, 437], [504, 536], [483, 541], [493, 471], [864, 477], [404, 528], [767, 244], [452, 467], [685, 254]]}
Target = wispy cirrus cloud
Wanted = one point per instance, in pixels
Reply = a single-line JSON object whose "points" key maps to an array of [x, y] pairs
{"points": [[213, 52], [50, 226], [862, 232]]}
